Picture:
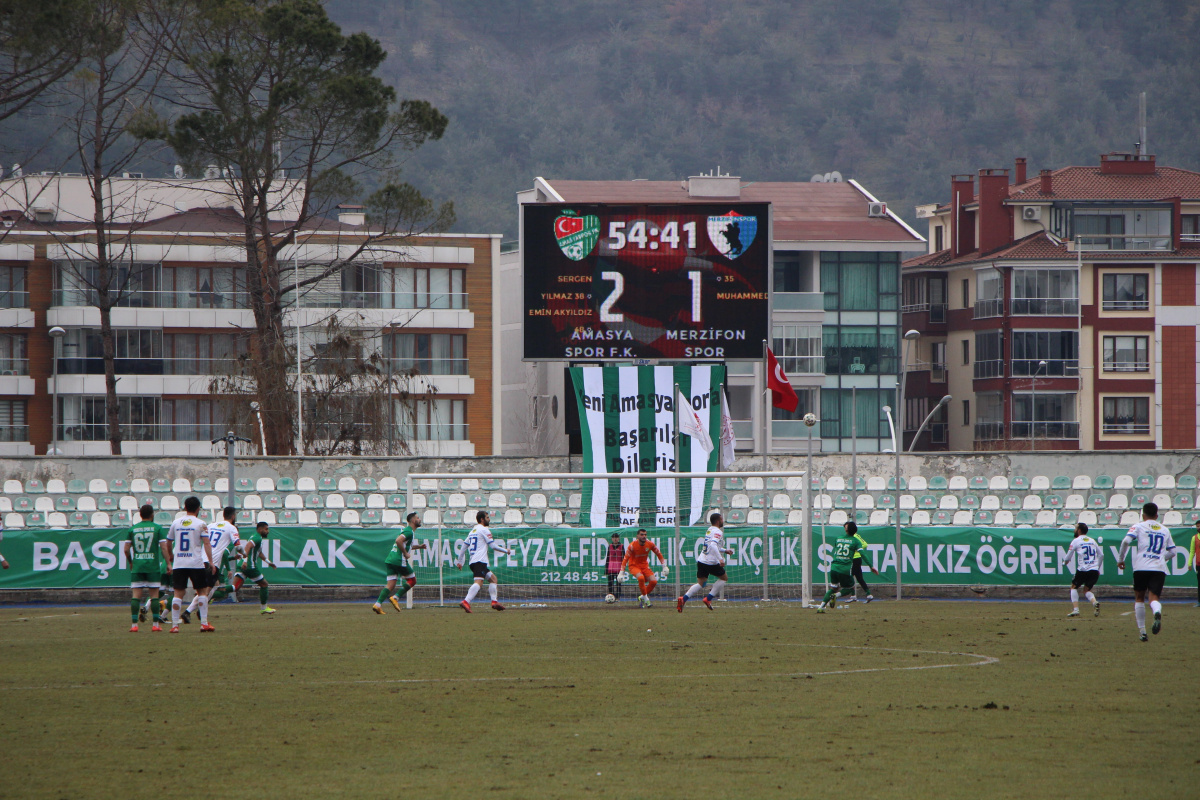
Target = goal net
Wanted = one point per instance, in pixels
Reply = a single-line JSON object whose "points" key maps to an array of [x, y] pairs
{"points": [[559, 530]]}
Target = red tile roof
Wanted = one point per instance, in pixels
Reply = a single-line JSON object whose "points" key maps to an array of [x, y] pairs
{"points": [[1088, 183], [802, 211], [1041, 247]]}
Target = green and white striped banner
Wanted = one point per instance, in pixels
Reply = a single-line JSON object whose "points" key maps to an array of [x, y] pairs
{"points": [[627, 417]]}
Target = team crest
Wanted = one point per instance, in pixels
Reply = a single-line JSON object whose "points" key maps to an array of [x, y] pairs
{"points": [[576, 235], [732, 233]]}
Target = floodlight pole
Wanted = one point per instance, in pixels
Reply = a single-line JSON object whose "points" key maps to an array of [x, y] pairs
{"points": [[806, 529], [678, 554], [1033, 408], [56, 334], [230, 441], [899, 425]]}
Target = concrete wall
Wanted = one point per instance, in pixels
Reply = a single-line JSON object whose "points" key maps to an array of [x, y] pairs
{"points": [[1135, 462]]}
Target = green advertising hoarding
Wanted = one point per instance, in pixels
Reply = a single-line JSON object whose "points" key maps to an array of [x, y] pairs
{"points": [[556, 556]]}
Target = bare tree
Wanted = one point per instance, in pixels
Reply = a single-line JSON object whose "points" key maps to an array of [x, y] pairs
{"points": [[293, 111], [109, 95]]}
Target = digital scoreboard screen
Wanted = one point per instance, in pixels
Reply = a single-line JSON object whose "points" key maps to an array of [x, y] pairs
{"points": [[617, 282]]}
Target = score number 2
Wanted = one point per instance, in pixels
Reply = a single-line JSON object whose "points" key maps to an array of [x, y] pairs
{"points": [[608, 315]]}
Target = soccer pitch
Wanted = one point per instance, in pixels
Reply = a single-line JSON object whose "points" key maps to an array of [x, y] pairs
{"points": [[916, 699]]}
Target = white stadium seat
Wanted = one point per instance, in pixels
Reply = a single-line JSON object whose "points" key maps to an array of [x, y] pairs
{"points": [[139, 486], [1123, 482], [512, 516], [958, 483], [835, 484], [349, 517], [1165, 482], [472, 484], [220, 486], [306, 484], [85, 504], [429, 517], [100, 519], [457, 500], [267, 517], [1039, 483], [1075, 502], [97, 486], [964, 517], [795, 484], [1046, 519], [56, 486], [907, 502], [1003, 519], [781, 501], [948, 502], [875, 483], [880, 517], [1163, 501], [497, 500], [1131, 518], [127, 503], [990, 502], [252, 502], [1082, 482], [920, 517], [998, 483], [864, 501], [347, 484], [264, 485], [795, 517], [335, 500], [43, 504], [309, 518], [754, 484], [5, 505], [181, 486], [755, 517], [839, 517], [293, 501], [1172, 518], [378, 501], [390, 484], [510, 484], [169, 503], [391, 516], [1118, 502], [13, 521], [1088, 518], [917, 483], [1031, 503], [56, 519]]}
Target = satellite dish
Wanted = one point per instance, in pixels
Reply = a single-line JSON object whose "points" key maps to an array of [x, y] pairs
{"points": [[817, 179], [17, 172], [834, 177], [178, 171], [211, 172]]}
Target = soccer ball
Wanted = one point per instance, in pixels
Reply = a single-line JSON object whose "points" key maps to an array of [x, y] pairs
{"points": [[810, 419], [608, 598]]}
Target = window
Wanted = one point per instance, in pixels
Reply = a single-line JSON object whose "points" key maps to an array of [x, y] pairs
{"points": [[937, 299], [428, 353], [1137, 228], [1189, 227], [1059, 349], [13, 360], [860, 281], [83, 420], [989, 416], [966, 404], [838, 413], [1126, 354], [798, 348], [131, 285], [793, 271], [916, 294], [1125, 291], [789, 424], [937, 364], [136, 351], [937, 238], [1127, 416], [1045, 292], [966, 292], [419, 287], [440, 419], [966, 351], [192, 419], [860, 350], [989, 294], [12, 288], [1044, 415], [1104, 230], [989, 354], [13, 427]]}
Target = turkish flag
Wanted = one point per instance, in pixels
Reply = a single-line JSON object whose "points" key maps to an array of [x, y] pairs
{"points": [[782, 394]]}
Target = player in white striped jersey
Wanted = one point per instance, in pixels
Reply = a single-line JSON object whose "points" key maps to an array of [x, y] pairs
{"points": [[222, 536], [478, 546], [1088, 558], [710, 562], [191, 561], [1152, 546]]}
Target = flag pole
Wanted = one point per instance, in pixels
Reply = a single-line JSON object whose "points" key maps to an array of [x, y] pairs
{"points": [[678, 555], [766, 540]]}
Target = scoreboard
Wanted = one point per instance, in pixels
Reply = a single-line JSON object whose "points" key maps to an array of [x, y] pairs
{"points": [[685, 281]]}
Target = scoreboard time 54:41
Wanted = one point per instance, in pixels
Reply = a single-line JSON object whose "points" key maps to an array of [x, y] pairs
{"points": [[615, 282]]}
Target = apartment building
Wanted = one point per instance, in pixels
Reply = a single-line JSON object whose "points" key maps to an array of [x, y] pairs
{"points": [[423, 303], [1059, 311], [835, 314]]}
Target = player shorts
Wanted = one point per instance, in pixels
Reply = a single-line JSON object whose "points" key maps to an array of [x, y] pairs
{"points": [[1085, 579], [251, 575], [196, 575], [480, 569], [644, 571], [212, 578], [703, 571], [396, 571], [842, 579], [144, 580], [1149, 580]]}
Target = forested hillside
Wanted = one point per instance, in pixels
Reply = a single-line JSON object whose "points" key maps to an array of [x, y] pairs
{"points": [[896, 93]]}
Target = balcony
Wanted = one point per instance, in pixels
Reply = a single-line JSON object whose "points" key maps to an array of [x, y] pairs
{"points": [[990, 368], [14, 366], [1055, 368], [1142, 304], [145, 432], [936, 311], [396, 300], [1125, 428], [985, 309], [1045, 307], [13, 299], [1126, 366], [1045, 430], [798, 301], [989, 431], [224, 365], [157, 299], [14, 433]]}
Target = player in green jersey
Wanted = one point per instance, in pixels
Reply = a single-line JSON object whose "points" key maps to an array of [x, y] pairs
{"points": [[145, 543], [254, 554], [396, 564], [841, 568]]}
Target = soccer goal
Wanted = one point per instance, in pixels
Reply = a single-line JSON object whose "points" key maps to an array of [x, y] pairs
{"points": [[558, 529]]}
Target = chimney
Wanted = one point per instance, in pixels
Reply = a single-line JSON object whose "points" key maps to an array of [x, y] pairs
{"points": [[962, 223], [1126, 164], [1019, 172], [351, 214], [995, 218], [1047, 178]]}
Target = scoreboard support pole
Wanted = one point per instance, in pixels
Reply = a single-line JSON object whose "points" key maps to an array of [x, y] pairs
{"points": [[675, 546], [766, 450]]}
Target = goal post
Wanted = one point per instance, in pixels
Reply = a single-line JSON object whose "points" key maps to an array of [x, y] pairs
{"points": [[559, 527]]}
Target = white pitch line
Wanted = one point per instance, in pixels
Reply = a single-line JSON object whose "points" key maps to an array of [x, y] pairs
{"points": [[47, 616], [984, 661]]}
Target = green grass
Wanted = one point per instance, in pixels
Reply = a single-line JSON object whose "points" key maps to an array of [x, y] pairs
{"points": [[771, 701]]}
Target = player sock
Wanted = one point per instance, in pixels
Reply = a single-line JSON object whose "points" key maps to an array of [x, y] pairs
{"points": [[384, 594], [1155, 607], [1091, 598], [262, 596], [192, 605], [135, 605], [176, 609], [156, 609], [494, 592], [1075, 598], [717, 587], [693, 591], [472, 591], [202, 605], [832, 593], [1139, 616]]}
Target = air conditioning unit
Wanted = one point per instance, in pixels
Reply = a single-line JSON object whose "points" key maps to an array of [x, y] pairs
{"points": [[876, 209], [1031, 213]]}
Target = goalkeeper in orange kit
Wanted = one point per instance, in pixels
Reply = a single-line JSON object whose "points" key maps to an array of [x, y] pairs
{"points": [[637, 561]]}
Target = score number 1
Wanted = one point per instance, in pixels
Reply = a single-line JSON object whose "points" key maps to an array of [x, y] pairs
{"points": [[608, 315]]}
